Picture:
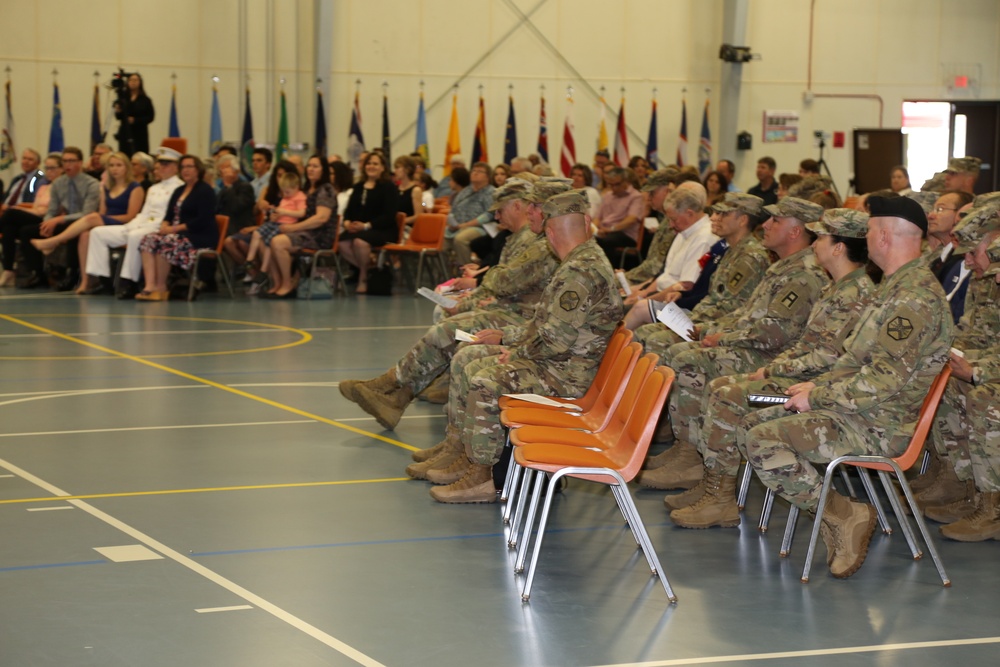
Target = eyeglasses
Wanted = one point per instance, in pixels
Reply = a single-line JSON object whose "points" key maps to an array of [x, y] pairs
{"points": [[70, 159], [942, 209], [50, 167]]}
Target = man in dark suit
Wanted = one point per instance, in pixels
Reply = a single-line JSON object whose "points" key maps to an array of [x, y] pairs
{"points": [[25, 185]]}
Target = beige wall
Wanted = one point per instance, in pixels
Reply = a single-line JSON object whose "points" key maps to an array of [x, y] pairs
{"points": [[892, 48]]}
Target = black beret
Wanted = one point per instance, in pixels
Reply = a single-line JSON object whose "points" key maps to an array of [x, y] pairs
{"points": [[898, 207]]}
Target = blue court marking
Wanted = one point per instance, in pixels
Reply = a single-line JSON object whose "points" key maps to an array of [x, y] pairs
{"points": [[45, 566]]}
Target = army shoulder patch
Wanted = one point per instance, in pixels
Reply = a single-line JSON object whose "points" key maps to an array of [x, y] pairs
{"points": [[899, 328], [735, 280], [789, 300], [569, 300]]}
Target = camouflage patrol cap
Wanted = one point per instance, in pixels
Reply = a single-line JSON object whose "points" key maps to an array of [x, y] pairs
{"points": [[527, 176], [742, 202], [564, 203], [659, 178], [547, 187], [987, 199], [934, 184], [513, 189], [926, 199], [973, 228], [841, 222], [993, 254], [809, 186], [793, 207], [963, 165]]}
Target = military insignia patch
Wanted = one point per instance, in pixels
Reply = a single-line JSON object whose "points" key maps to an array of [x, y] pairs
{"points": [[899, 328], [569, 301], [735, 280], [790, 299]]}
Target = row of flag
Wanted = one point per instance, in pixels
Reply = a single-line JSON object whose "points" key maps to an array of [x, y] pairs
{"points": [[356, 141]]}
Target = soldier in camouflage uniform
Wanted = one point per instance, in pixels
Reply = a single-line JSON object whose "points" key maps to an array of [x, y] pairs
{"points": [[743, 341], [516, 289], [949, 492], [556, 353], [869, 401], [659, 184], [736, 277], [840, 249]]}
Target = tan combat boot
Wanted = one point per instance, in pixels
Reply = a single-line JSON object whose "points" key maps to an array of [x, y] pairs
{"points": [[476, 486], [452, 473], [945, 488], [382, 383], [437, 391], [422, 455], [983, 524], [449, 450], [849, 528], [387, 407], [682, 472], [687, 498], [716, 508], [955, 510]]}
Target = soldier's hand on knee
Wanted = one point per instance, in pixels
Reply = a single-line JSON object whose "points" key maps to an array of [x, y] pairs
{"points": [[488, 337], [711, 340]]}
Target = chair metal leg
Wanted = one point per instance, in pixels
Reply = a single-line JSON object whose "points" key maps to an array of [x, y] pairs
{"points": [[814, 535], [786, 539], [925, 461], [529, 522], [765, 512], [193, 277], [519, 505], [741, 496], [225, 276], [505, 491], [516, 474], [945, 581], [866, 481], [897, 508], [847, 483]]}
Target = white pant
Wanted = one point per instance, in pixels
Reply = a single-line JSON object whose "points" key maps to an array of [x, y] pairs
{"points": [[102, 239]]}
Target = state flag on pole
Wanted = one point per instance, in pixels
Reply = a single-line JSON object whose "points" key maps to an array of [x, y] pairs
{"points": [[705, 146], [386, 137], [682, 140], [602, 129], [174, 130], [454, 145], [510, 139], [543, 134], [355, 139], [321, 148], [215, 124], [246, 141], [281, 145], [421, 146], [7, 154], [56, 141], [652, 148], [96, 136], [621, 139], [479, 149], [568, 157]]}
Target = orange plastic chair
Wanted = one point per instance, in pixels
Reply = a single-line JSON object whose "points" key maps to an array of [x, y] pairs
{"points": [[613, 457], [426, 239], [211, 253], [895, 465], [626, 376], [619, 339], [637, 250]]}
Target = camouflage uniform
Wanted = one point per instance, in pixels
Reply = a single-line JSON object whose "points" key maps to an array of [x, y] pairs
{"points": [[739, 272], [656, 256], [977, 331], [832, 319], [983, 402], [556, 353], [751, 337], [869, 401], [516, 244]]}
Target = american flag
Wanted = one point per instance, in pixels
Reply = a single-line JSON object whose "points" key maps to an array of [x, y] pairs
{"points": [[682, 141], [621, 139], [568, 158], [543, 134], [705, 146]]}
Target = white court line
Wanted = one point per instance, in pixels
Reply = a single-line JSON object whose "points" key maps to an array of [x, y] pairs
{"points": [[48, 509], [286, 384], [412, 326], [844, 650], [5, 476], [212, 610], [198, 568], [155, 428], [64, 392]]}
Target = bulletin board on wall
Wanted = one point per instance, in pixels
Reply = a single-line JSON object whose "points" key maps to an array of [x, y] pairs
{"points": [[876, 151]]}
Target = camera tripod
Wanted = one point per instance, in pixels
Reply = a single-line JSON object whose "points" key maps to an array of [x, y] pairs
{"points": [[824, 167]]}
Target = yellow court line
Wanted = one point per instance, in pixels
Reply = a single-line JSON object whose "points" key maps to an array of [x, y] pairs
{"points": [[305, 337], [167, 492], [195, 378]]}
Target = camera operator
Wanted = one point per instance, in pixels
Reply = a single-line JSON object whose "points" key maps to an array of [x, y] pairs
{"points": [[135, 111]]}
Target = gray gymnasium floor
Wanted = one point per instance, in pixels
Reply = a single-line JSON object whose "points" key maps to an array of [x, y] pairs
{"points": [[182, 484]]}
